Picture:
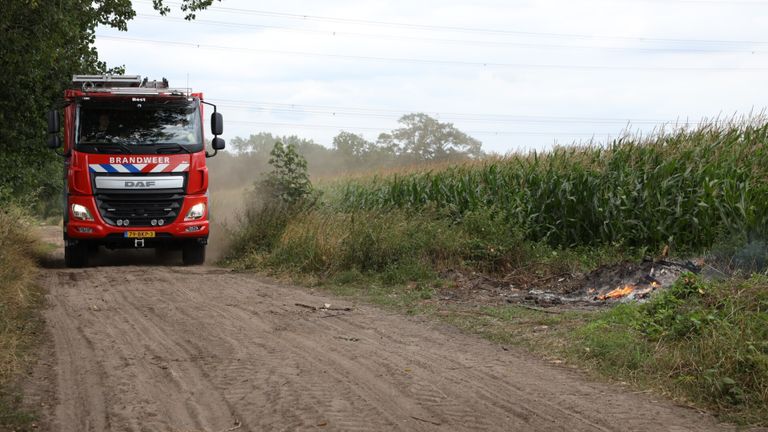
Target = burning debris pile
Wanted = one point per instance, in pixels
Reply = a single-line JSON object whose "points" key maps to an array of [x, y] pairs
{"points": [[639, 290], [606, 285], [621, 283]]}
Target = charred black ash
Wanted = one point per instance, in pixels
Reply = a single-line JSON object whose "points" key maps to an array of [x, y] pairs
{"points": [[608, 285]]}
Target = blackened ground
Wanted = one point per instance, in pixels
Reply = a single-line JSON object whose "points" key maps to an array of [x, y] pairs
{"points": [[569, 290]]}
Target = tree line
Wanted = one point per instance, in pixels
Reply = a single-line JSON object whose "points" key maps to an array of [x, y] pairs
{"points": [[419, 139]]}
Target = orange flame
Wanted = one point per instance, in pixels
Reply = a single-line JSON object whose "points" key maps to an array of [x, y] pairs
{"points": [[618, 293]]}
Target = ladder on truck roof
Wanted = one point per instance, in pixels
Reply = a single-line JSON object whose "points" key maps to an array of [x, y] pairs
{"points": [[125, 84]]}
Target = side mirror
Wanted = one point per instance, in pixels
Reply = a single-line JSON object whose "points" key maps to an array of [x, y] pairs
{"points": [[217, 123], [53, 122], [217, 144], [54, 141]]}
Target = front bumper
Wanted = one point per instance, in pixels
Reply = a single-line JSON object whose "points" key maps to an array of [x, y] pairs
{"points": [[99, 232], [118, 241]]}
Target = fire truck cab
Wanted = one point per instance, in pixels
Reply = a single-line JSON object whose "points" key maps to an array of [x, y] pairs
{"points": [[135, 166]]}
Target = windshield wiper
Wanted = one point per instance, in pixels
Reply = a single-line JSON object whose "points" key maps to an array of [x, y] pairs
{"points": [[99, 145], [178, 147]]}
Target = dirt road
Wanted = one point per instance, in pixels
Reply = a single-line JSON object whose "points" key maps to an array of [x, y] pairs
{"points": [[144, 347]]}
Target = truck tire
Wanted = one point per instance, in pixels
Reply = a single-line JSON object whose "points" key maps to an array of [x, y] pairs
{"points": [[76, 255], [193, 253]]}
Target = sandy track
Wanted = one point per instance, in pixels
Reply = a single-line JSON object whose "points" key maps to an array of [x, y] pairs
{"points": [[159, 348]]}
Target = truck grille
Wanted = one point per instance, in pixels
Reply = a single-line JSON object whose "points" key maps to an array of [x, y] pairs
{"points": [[139, 209]]}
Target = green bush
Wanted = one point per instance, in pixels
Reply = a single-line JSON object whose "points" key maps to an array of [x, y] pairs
{"points": [[288, 182], [282, 194], [676, 312]]}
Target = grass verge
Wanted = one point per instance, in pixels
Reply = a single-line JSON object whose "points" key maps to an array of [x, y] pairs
{"points": [[20, 299], [400, 245]]}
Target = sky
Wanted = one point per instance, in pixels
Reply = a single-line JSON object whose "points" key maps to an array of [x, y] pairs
{"points": [[517, 75]]}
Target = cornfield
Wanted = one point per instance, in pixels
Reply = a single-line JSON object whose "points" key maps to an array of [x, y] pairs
{"points": [[687, 188]]}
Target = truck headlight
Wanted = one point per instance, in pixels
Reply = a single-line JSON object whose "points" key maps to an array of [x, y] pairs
{"points": [[196, 212], [80, 212]]}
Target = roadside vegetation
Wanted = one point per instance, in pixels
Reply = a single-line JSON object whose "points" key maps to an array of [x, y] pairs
{"points": [[707, 342], [20, 299], [394, 239]]}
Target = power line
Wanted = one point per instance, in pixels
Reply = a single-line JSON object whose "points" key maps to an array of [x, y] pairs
{"points": [[470, 42], [465, 29], [471, 132], [430, 61], [711, 2], [400, 110], [445, 116]]}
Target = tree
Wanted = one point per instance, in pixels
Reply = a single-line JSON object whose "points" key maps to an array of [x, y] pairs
{"points": [[424, 138], [351, 146], [288, 180], [44, 44], [255, 145], [387, 143], [356, 152], [188, 6], [261, 144]]}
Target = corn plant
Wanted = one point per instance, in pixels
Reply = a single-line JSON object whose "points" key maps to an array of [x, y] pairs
{"points": [[687, 188]]}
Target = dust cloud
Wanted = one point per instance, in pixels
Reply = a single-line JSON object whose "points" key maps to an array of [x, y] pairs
{"points": [[234, 174]]}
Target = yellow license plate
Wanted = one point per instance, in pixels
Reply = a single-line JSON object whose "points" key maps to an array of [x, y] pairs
{"points": [[139, 234]]}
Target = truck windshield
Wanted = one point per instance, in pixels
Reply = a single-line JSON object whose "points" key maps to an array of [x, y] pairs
{"points": [[139, 125]]}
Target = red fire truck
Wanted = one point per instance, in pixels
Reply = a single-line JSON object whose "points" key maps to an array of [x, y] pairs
{"points": [[135, 166]]}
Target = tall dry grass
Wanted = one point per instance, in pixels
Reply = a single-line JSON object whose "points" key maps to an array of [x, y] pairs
{"points": [[18, 293]]}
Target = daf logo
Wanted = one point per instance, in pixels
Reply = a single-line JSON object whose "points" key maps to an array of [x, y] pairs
{"points": [[139, 184]]}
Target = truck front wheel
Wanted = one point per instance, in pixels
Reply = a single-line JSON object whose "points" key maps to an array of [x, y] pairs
{"points": [[76, 255], [193, 253]]}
